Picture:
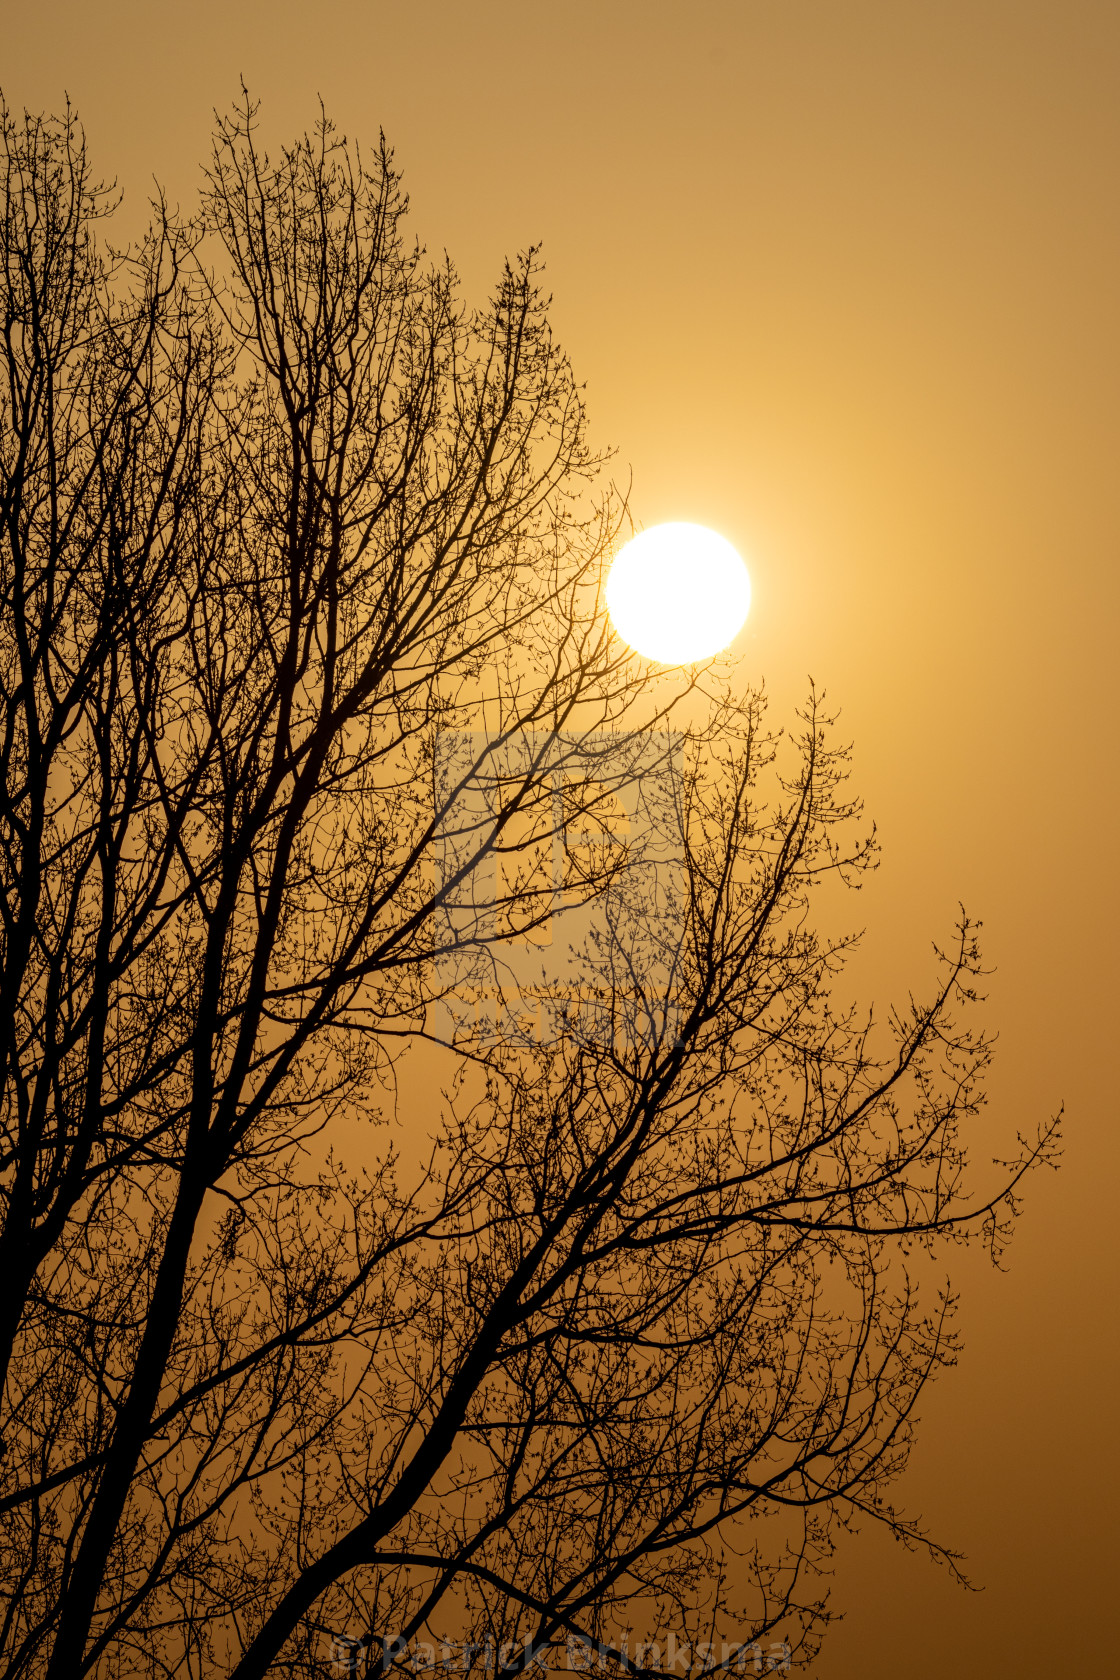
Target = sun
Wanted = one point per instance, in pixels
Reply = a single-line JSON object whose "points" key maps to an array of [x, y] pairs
{"points": [[678, 593]]}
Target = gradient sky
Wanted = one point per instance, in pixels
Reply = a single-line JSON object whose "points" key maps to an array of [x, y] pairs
{"points": [[843, 282]]}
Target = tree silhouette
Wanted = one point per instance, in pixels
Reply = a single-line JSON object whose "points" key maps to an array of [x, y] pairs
{"points": [[281, 518]]}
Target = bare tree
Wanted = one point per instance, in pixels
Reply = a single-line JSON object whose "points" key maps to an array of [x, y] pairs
{"points": [[281, 518]]}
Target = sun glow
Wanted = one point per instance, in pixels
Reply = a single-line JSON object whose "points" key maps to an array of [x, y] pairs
{"points": [[678, 593]]}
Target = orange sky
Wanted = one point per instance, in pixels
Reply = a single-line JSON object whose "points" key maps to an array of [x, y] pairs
{"points": [[843, 281]]}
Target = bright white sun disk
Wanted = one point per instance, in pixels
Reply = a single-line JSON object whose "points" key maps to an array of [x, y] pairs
{"points": [[678, 593]]}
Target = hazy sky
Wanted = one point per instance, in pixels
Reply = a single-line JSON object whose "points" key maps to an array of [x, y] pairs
{"points": [[843, 281]]}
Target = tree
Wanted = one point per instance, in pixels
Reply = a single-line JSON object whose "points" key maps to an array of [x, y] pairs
{"points": [[281, 519]]}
